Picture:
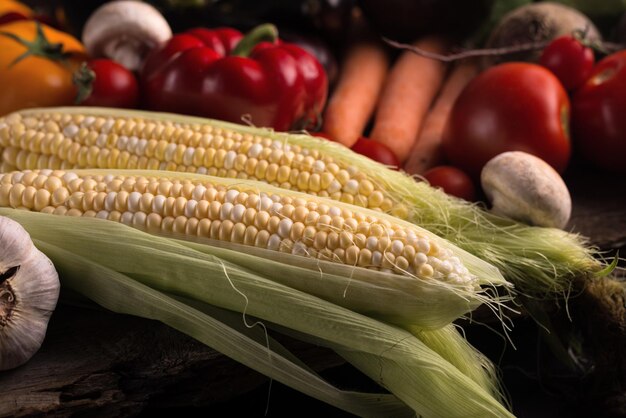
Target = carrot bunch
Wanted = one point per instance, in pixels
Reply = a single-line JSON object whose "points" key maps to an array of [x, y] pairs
{"points": [[402, 104]]}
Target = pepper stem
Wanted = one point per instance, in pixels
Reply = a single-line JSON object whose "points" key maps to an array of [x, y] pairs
{"points": [[266, 32]]}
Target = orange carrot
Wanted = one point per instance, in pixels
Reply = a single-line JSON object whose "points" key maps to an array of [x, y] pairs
{"points": [[354, 98], [427, 152], [409, 90]]}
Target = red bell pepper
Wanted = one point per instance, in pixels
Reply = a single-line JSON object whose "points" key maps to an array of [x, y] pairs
{"points": [[221, 74]]}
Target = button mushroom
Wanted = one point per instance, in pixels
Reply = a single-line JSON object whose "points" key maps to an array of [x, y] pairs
{"points": [[29, 290], [125, 31], [526, 188]]}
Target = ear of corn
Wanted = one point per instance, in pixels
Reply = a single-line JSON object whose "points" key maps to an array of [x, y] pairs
{"points": [[310, 239], [64, 139], [129, 271], [541, 262]]}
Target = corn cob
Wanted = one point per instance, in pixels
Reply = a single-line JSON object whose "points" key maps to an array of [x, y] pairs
{"points": [[60, 140], [216, 210], [540, 261], [294, 238]]}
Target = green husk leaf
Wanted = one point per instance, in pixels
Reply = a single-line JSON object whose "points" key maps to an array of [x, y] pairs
{"points": [[217, 328], [452, 346], [396, 361], [395, 358]]}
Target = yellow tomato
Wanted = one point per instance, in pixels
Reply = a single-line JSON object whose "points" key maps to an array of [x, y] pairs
{"points": [[36, 66]]}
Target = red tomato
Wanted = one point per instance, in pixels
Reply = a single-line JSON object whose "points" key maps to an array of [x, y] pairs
{"points": [[599, 115], [376, 151], [104, 82], [371, 149], [453, 181], [509, 107], [570, 60]]}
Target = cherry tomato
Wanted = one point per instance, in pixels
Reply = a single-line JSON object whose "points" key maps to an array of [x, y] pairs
{"points": [[371, 149], [376, 151], [599, 115], [509, 107], [104, 82], [570, 60], [453, 181]]}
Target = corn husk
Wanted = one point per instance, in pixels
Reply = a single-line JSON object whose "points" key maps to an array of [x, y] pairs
{"points": [[217, 328], [404, 299], [124, 279]]}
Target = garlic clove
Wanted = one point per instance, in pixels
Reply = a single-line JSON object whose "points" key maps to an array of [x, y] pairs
{"points": [[29, 291]]}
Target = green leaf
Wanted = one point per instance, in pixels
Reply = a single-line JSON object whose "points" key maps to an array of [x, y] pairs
{"points": [[217, 328]]}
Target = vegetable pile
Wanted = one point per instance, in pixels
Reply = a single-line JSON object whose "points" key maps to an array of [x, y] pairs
{"points": [[350, 190]]}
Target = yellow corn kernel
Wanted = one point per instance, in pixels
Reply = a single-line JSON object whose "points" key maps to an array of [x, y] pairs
{"points": [[204, 207], [131, 140]]}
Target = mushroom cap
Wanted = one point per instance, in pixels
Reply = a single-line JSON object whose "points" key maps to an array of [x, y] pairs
{"points": [[125, 31], [523, 187]]}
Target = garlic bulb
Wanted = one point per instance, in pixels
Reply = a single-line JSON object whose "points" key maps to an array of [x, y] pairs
{"points": [[29, 290]]}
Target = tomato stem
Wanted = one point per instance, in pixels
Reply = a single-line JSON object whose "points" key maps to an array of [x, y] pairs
{"points": [[266, 32], [40, 46], [83, 79]]}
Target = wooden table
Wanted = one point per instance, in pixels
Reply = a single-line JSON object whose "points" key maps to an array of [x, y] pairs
{"points": [[103, 364]]}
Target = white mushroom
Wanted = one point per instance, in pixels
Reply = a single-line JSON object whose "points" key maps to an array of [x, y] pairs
{"points": [[125, 31], [526, 188], [29, 290]]}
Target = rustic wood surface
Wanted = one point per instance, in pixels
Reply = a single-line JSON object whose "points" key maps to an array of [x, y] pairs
{"points": [[97, 363], [599, 207]]}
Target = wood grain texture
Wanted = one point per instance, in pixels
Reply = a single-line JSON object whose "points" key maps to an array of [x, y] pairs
{"points": [[99, 363], [599, 206]]}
